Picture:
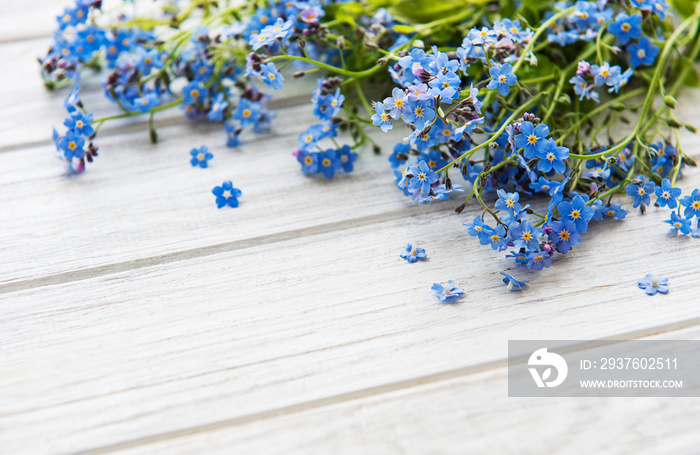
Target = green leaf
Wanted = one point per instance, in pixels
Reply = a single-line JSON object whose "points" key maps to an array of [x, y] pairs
{"points": [[405, 29], [533, 5], [424, 11], [347, 12], [684, 7], [692, 79]]}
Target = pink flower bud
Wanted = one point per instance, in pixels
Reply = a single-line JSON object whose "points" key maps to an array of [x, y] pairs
{"points": [[583, 67]]}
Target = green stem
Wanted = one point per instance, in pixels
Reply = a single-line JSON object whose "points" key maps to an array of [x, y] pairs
{"points": [[660, 68], [522, 109]]}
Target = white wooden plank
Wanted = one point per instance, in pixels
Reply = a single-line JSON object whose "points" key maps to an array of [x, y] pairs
{"points": [[139, 200], [470, 414], [29, 19], [108, 204], [164, 348]]}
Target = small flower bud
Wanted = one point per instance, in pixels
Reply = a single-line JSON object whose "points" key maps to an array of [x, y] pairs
{"points": [[689, 161], [340, 42], [460, 208], [582, 68], [670, 101]]}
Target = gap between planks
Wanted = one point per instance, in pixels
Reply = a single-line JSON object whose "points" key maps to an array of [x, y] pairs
{"points": [[135, 264], [370, 392]]}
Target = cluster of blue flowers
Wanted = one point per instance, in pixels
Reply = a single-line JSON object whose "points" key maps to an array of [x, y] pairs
{"points": [[77, 40], [327, 102], [684, 218], [432, 83], [588, 77], [71, 144], [586, 23], [441, 105], [143, 68]]}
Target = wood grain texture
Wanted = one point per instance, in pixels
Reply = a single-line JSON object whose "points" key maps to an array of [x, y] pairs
{"points": [[470, 414], [28, 19], [136, 317], [140, 200], [140, 353]]}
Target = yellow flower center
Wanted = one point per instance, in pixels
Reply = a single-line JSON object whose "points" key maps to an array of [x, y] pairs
{"points": [[532, 139], [200, 156], [419, 112], [575, 214], [626, 27], [308, 160], [195, 93], [72, 145], [502, 79], [246, 113], [564, 235], [326, 162], [226, 194], [527, 236], [550, 156], [398, 103]]}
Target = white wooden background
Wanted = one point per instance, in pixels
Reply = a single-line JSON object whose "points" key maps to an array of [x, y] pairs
{"points": [[135, 317]]}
